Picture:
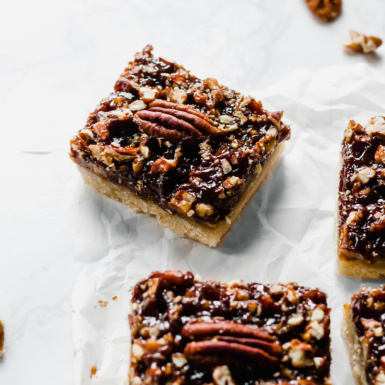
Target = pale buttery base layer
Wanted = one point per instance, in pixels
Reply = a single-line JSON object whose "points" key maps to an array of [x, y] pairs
{"points": [[357, 353], [182, 226], [358, 268]]}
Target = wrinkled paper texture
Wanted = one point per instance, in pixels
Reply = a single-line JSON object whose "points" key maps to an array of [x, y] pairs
{"points": [[286, 234]]}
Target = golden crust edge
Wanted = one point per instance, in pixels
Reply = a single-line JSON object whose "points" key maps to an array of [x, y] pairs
{"points": [[184, 227], [358, 268], [354, 347]]}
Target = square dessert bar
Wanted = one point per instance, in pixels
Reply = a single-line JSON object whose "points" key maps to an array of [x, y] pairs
{"points": [[363, 329], [361, 245], [190, 152], [185, 331]]}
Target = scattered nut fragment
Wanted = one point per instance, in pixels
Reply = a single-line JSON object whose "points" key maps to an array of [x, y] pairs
{"points": [[163, 165], [231, 182], [380, 154], [137, 105], [380, 379], [222, 376], [300, 354], [183, 201], [258, 168], [295, 320], [137, 350], [364, 175], [352, 218], [204, 210], [325, 10], [318, 314], [211, 83], [226, 166], [178, 96], [361, 43], [179, 360], [319, 362], [145, 151], [148, 94], [137, 165], [276, 289], [376, 126], [226, 119]]}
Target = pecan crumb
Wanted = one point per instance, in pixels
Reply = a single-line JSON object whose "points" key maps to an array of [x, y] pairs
{"points": [[325, 10], [361, 43]]}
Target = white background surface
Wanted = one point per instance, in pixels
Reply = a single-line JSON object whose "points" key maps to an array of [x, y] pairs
{"points": [[58, 59]]}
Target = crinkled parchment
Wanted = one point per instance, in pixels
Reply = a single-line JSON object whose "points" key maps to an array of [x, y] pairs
{"points": [[287, 233]]}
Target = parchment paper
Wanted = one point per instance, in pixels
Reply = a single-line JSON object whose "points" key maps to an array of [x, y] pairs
{"points": [[286, 234]]}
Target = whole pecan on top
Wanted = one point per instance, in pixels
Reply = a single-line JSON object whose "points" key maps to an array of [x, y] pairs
{"points": [[174, 122], [231, 343], [326, 10]]}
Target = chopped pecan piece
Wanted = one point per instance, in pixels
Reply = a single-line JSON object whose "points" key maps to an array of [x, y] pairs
{"points": [[361, 43], [326, 10]]}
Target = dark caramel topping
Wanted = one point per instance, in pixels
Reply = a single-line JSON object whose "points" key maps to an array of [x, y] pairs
{"points": [[191, 145], [185, 331], [362, 191], [368, 314]]}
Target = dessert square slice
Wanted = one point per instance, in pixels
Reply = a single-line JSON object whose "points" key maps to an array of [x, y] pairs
{"points": [[190, 152], [362, 328], [361, 244], [185, 331]]}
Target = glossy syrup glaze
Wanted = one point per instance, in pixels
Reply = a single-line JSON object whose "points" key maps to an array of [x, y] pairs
{"points": [[191, 145], [185, 331], [362, 191]]}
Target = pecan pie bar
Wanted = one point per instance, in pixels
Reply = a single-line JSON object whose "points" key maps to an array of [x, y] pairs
{"points": [[362, 328], [361, 245], [188, 151], [185, 331]]}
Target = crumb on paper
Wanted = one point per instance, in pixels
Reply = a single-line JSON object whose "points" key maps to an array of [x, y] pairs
{"points": [[94, 369], [115, 298], [103, 303], [361, 43]]}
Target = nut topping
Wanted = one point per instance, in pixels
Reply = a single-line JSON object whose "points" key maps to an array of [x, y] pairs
{"points": [[173, 122], [194, 136], [212, 333], [326, 10]]}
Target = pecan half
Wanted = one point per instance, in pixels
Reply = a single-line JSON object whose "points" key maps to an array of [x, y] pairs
{"points": [[231, 339], [224, 328], [174, 121], [257, 357], [326, 10]]}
